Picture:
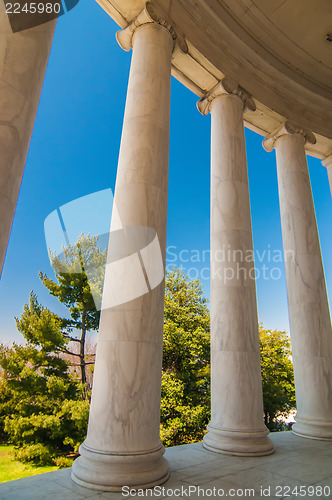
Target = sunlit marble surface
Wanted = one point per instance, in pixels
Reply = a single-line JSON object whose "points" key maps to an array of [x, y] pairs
{"points": [[296, 462], [23, 60], [236, 389], [310, 322], [122, 443]]}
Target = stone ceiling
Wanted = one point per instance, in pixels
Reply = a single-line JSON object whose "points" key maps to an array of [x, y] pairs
{"points": [[276, 49]]}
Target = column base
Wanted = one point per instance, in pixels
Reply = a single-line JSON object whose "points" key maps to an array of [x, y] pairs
{"points": [[106, 472], [313, 429], [240, 443]]}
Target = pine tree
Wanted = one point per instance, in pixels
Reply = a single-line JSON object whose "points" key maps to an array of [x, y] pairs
{"points": [[42, 407], [79, 274]]}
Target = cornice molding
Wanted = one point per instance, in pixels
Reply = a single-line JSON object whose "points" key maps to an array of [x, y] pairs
{"points": [[288, 128], [150, 14], [327, 162], [221, 47], [226, 86]]}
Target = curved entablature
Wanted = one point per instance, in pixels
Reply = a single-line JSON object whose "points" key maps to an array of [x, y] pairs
{"points": [[261, 45]]}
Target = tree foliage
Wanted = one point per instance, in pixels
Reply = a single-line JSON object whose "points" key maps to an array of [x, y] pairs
{"points": [[185, 402], [277, 376], [79, 273], [42, 407]]}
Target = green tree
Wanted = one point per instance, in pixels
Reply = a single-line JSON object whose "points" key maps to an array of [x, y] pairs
{"points": [[185, 382], [42, 406], [79, 273], [277, 376], [185, 403]]}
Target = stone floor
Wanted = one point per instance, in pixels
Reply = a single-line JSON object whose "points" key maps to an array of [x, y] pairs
{"points": [[296, 462]]}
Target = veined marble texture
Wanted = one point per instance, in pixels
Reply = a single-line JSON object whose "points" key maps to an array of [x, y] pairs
{"points": [[233, 314], [236, 425], [310, 323], [130, 322], [234, 269], [125, 400], [123, 444], [23, 61]]}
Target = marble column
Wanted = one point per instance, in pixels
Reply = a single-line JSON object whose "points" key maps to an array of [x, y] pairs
{"points": [[310, 323], [23, 61], [123, 445], [327, 162], [237, 426]]}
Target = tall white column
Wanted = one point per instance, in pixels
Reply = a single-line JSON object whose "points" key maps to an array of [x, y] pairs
{"points": [[328, 164], [123, 445], [23, 61], [310, 323], [237, 426]]}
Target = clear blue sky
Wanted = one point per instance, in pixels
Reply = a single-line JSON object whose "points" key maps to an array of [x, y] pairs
{"points": [[74, 152]]}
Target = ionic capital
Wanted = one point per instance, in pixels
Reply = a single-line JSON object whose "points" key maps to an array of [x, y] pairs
{"points": [[327, 162], [226, 86], [150, 14], [287, 128]]}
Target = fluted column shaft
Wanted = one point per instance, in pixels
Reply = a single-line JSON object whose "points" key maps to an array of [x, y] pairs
{"points": [[123, 445], [23, 61], [310, 323], [237, 426]]}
